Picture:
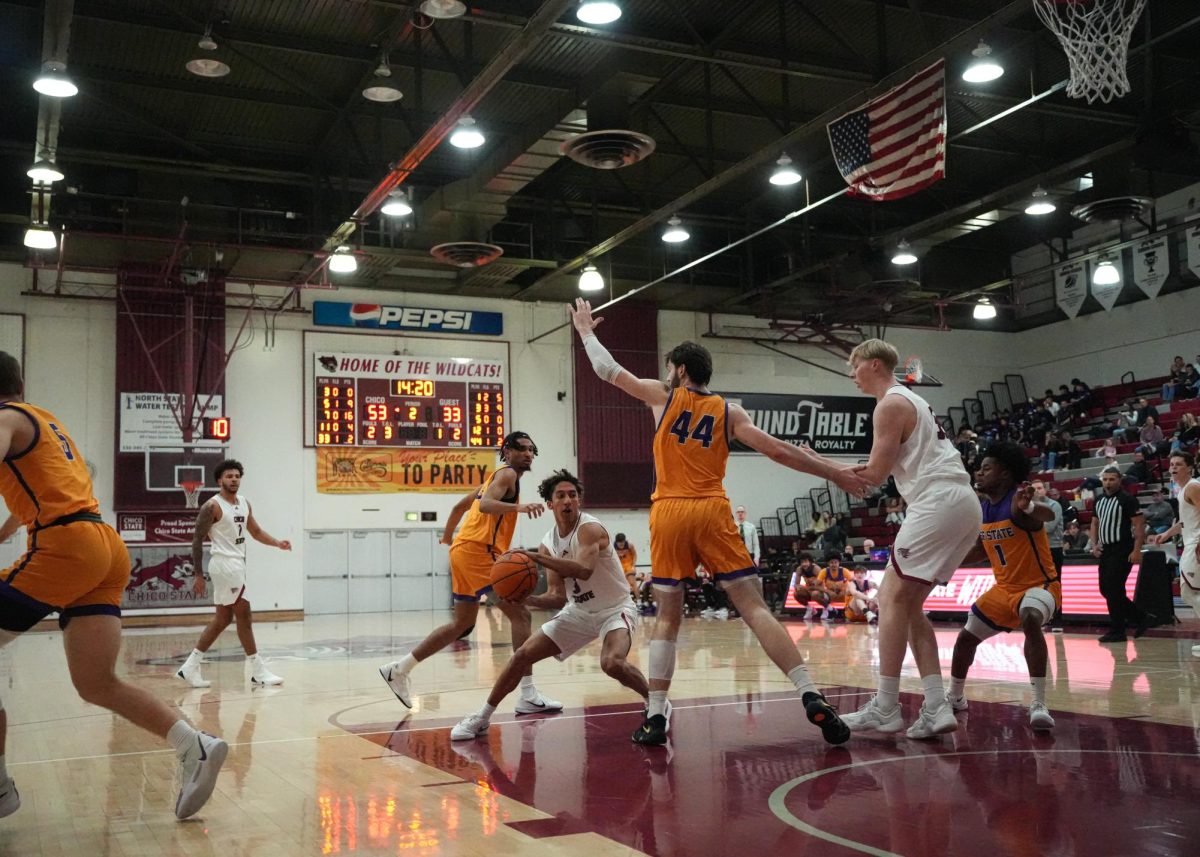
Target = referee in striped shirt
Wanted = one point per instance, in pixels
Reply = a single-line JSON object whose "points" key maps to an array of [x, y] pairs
{"points": [[1118, 528]]}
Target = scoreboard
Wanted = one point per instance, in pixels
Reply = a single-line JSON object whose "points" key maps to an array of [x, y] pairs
{"points": [[408, 401]]}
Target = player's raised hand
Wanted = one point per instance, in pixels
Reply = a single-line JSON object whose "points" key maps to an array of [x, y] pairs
{"points": [[1025, 494], [533, 510], [581, 317], [284, 545]]}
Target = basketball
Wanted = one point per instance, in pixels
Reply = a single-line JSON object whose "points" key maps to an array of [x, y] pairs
{"points": [[514, 576]]}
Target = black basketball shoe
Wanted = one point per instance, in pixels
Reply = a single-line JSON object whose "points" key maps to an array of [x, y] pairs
{"points": [[653, 731], [824, 716]]}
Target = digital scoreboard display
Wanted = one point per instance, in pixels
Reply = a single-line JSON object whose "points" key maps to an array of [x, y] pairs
{"points": [[372, 400]]}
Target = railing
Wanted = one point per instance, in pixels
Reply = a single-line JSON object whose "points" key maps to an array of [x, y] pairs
{"points": [[788, 521], [770, 527]]}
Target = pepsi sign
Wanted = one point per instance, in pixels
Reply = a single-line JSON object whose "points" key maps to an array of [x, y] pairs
{"points": [[385, 317]]}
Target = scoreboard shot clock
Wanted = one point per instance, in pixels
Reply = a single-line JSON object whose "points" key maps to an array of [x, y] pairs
{"points": [[408, 401]]}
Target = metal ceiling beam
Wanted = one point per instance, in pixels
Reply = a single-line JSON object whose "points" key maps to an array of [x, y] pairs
{"points": [[769, 153], [504, 60], [56, 40]]}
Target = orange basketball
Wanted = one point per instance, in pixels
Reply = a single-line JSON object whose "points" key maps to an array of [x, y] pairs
{"points": [[514, 576]]}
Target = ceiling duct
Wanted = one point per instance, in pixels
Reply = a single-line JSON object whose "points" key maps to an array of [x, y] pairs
{"points": [[608, 144], [1115, 209], [466, 254]]}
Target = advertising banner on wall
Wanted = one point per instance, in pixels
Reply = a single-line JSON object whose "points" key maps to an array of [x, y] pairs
{"points": [[148, 420], [1070, 287], [348, 470], [163, 576], [417, 319], [831, 425], [1151, 265]]}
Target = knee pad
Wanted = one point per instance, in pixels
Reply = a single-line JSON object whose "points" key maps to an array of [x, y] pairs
{"points": [[979, 629], [466, 633], [1040, 600]]}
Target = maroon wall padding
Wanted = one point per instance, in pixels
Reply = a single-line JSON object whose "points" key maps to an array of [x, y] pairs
{"points": [[156, 304], [613, 430]]}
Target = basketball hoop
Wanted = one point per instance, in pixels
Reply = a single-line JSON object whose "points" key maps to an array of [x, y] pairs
{"points": [[191, 493], [912, 372], [1094, 35]]}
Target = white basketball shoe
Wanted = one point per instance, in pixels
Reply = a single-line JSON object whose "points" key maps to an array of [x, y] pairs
{"points": [[871, 716], [199, 767], [399, 683], [931, 723]]}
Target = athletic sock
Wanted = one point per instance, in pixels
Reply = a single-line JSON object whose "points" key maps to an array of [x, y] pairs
{"points": [[1039, 688], [405, 664], [888, 695], [527, 689], [182, 736], [658, 703], [957, 686], [802, 680], [935, 691], [196, 656], [486, 711]]}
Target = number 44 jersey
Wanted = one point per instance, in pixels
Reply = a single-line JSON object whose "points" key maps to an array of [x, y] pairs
{"points": [[691, 446]]}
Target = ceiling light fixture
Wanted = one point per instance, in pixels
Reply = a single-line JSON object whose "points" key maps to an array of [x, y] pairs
{"points": [[1106, 273], [397, 205], [983, 68], [785, 174], [53, 81], [984, 310], [342, 261], [44, 169], [40, 237], [443, 9], [904, 254], [467, 136], [598, 11], [207, 66], [1040, 203], [591, 280], [675, 233], [380, 90]]}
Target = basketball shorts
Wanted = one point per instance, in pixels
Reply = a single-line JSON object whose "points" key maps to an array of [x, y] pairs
{"points": [[941, 526], [685, 534], [227, 575], [1189, 577], [470, 570], [999, 609], [79, 568], [572, 628]]}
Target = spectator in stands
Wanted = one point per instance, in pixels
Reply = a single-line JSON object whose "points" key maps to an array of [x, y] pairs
{"points": [[1075, 540], [808, 587], [835, 583], [1138, 472], [1159, 514], [748, 532], [861, 605], [966, 443], [895, 514], [1070, 454], [833, 541], [868, 545], [1150, 437], [1054, 528], [1069, 512], [1144, 411], [1189, 384], [1050, 448], [1081, 397], [1174, 379], [821, 523], [1052, 407], [1187, 435], [1108, 449], [716, 602], [848, 554], [1126, 426]]}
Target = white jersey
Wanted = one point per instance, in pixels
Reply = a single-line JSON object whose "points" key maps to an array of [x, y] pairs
{"points": [[228, 535], [927, 456], [1189, 517], [607, 587]]}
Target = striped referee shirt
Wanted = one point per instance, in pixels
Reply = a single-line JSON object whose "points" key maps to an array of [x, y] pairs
{"points": [[1115, 514]]}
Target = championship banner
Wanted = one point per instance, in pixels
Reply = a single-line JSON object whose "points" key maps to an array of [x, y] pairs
{"points": [[1106, 294], [348, 470], [1193, 249], [1070, 287], [837, 425], [1151, 265]]}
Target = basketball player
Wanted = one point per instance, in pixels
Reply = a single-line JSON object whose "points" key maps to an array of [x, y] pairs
{"points": [[1027, 590], [689, 515], [1182, 474], [627, 554], [225, 519], [491, 517], [598, 606], [78, 566], [942, 524]]}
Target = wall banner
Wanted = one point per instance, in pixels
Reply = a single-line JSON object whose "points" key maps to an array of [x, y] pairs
{"points": [[350, 470], [832, 425], [425, 319], [1070, 287], [1151, 265]]}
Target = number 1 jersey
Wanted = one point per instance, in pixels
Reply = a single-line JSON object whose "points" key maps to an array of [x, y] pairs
{"points": [[691, 446], [228, 535]]}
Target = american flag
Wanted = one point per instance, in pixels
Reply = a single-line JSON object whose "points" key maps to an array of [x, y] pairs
{"points": [[896, 144]]}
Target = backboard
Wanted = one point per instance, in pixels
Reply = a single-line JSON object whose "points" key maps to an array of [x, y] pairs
{"points": [[169, 467]]}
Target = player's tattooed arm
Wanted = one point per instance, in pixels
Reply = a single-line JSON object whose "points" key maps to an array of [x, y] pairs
{"points": [[204, 521]]}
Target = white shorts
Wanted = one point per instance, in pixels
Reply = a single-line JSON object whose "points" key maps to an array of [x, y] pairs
{"points": [[938, 531], [227, 576], [1189, 578], [573, 628]]}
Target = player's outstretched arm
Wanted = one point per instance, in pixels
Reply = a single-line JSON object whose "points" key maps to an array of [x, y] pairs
{"points": [[591, 539], [555, 596], [796, 457], [649, 390], [1027, 512], [888, 424], [492, 502], [260, 535]]}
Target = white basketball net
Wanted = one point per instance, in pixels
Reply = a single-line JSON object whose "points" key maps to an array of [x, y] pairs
{"points": [[1094, 35], [191, 494]]}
